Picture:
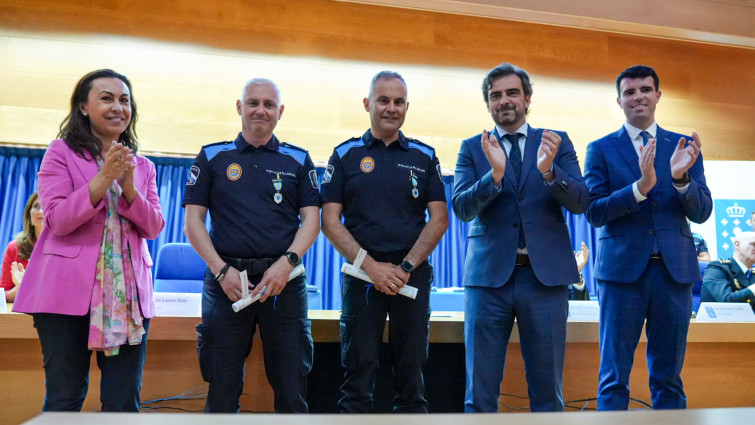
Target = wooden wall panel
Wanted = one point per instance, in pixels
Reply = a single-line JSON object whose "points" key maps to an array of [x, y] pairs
{"points": [[188, 60]]}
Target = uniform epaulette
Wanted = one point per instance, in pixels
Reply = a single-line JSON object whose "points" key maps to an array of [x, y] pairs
{"points": [[293, 146], [724, 260], [353, 139], [345, 146], [213, 149], [218, 143], [410, 140]]}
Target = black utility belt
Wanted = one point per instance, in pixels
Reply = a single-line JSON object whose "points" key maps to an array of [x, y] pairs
{"points": [[395, 257], [252, 266]]}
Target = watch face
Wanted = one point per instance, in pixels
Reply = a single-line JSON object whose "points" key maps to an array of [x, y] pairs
{"points": [[407, 266], [293, 257]]}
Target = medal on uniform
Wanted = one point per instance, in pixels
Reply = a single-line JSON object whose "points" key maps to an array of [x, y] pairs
{"points": [[415, 192], [277, 184]]}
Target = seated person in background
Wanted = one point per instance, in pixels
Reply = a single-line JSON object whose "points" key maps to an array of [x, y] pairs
{"points": [[579, 291], [731, 280], [19, 249], [701, 247], [752, 221]]}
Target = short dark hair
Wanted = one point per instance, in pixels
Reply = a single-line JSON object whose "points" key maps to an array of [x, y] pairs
{"points": [[637, 71], [75, 128], [384, 75], [503, 70]]}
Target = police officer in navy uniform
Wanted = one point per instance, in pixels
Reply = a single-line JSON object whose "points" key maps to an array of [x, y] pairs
{"points": [[731, 280], [263, 199], [383, 183]]}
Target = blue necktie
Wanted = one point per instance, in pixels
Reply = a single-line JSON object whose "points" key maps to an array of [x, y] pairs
{"points": [[515, 160], [645, 138], [749, 275], [515, 154]]}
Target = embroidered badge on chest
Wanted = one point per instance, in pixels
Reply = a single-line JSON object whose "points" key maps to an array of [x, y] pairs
{"points": [[367, 165], [233, 172]]}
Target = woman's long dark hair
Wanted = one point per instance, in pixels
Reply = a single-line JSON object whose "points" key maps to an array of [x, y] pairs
{"points": [[27, 237], [75, 128]]}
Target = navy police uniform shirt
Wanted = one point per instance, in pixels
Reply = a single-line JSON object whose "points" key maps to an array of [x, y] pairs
{"points": [[253, 195], [384, 190]]}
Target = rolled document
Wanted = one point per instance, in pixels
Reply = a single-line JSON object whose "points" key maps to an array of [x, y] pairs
{"points": [[247, 298], [406, 290]]}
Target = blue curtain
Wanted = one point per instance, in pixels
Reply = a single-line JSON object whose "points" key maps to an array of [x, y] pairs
{"points": [[18, 179], [171, 178]]}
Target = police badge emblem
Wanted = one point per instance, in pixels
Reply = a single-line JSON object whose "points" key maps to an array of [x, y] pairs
{"points": [[367, 165], [233, 172]]}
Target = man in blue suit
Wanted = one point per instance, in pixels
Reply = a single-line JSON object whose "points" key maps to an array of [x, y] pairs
{"points": [[511, 183], [644, 182]]}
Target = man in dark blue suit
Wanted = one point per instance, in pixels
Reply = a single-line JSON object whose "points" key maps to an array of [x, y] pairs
{"points": [[644, 182], [511, 183]]}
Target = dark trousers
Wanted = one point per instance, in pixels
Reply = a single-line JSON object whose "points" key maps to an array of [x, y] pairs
{"points": [[362, 324], [64, 341], [624, 308], [541, 312], [225, 341]]}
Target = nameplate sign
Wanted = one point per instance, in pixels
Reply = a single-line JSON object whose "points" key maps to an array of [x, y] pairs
{"points": [[584, 311], [178, 304], [725, 312], [3, 305]]}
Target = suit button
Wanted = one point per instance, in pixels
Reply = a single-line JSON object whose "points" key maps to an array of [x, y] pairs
{"points": [[521, 198], [655, 204], [516, 225], [484, 196], [650, 232]]}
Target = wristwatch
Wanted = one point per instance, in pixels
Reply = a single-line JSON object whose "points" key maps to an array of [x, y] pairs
{"points": [[682, 181], [407, 266], [292, 257], [221, 274]]}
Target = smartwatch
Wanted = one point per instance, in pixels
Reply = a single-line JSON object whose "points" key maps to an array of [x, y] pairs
{"points": [[407, 266], [292, 257]]}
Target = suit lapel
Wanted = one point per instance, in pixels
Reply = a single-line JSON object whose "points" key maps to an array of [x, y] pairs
{"points": [[87, 167], [508, 173], [664, 148], [740, 278], [626, 150], [140, 175], [530, 153]]}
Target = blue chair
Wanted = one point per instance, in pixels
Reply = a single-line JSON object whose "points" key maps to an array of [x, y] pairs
{"points": [[698, 287], [179, 269], [447, 299]]}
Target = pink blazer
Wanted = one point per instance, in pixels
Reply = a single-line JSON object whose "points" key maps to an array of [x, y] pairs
{"points": [[60, 276]]}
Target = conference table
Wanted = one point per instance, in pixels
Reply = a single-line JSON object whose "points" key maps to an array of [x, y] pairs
{"points": [[718, 371]]}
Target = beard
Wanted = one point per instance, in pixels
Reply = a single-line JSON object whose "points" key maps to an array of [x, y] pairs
{"points": [[508, 116]]}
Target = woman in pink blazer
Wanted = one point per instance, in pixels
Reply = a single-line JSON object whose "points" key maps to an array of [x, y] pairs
{"points": [[88, 284]]}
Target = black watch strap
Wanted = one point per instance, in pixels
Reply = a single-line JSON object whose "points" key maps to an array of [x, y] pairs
{"points": [[682, 181], [221, 274]]}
